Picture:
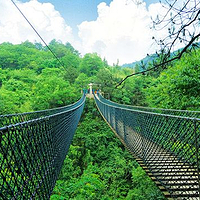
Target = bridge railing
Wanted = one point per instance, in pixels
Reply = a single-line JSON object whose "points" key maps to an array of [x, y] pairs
{"points": [[32, 151], [186, 113], [6, 120], [167, 145]]}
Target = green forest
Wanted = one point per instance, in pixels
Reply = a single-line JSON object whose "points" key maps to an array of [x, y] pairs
{"points": [[32, 79], [97, 165]]}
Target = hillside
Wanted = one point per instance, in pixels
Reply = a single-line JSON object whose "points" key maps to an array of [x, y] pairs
{"points": [[144, 61]]}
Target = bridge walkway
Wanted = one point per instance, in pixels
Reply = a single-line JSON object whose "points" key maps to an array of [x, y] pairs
{"points": [[174, 169]]}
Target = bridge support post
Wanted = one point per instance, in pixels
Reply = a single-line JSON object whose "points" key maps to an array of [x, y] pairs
{"points": [[90, 88], [197, 152], [90, 94]]}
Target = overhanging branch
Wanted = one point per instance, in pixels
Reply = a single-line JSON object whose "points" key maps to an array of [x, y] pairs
{"points": [[162, 63]]}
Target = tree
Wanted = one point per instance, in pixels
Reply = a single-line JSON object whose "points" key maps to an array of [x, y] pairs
{"points": [[71, 73], [106, 80], [53, 91], [27, 44], [91, 64], [71, 60], [58, 48], [132, 92], [39, 46], [71, 49], [82, 81], [181, 20], [178, 86]]}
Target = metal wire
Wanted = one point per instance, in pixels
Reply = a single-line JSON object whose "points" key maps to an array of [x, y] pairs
{"points": [[167, 145], [34, 29], [32, 149]]}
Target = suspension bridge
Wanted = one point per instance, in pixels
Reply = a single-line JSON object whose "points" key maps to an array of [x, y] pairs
{"points": [[164, 142]]}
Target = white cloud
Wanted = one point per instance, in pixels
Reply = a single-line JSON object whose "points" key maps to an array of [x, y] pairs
{"points": [[121, 31], [43, 16]]}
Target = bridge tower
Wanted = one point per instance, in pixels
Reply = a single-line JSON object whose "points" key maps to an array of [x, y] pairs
{"points": [[89, 94]]}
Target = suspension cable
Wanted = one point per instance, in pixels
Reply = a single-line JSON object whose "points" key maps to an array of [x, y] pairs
{"points": [[38, 34]]}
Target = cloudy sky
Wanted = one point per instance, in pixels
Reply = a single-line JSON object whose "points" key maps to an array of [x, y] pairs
{"points": [[115, 29]]}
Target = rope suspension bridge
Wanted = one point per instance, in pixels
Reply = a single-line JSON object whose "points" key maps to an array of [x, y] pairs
{"points": [[164, 142]]}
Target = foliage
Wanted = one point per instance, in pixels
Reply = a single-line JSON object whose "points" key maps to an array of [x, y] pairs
{"points": [[105, 80], [132, 92], [82, 81], [52, 91], [91, 64], [32, 79], [178, 86]]}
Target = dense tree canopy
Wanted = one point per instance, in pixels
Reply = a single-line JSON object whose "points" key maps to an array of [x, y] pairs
{"points": [[178, 86], [91, 64], [35, 80], [32, 79]]}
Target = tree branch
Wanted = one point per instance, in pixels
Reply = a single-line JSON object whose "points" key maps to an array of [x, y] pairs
{"points": [[162, 63]]}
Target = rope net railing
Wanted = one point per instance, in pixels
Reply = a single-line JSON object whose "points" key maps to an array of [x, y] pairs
{"points": [[167, 146], [186, 113], [33, 148], [6, 120]]}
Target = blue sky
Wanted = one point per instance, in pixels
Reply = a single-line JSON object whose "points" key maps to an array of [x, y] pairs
{"points": [[76, 11]]}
